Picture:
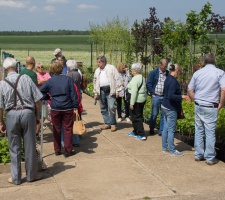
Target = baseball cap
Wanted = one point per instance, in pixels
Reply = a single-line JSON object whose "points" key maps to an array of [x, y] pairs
{"points": [[58, 50]]}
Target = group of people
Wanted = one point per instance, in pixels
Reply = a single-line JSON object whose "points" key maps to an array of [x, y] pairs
{"points": [[20, 96], [206, 89]]}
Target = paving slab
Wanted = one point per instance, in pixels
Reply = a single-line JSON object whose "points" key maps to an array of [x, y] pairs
{"points": [[111, 165]]}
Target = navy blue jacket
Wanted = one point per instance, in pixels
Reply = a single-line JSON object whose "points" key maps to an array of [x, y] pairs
{"points": [[172, 94], [63, 94], [152, 80]]}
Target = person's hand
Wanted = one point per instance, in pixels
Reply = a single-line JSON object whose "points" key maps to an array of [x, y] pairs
{"points": [[131, 107], [122, 84], [117, 95], [2, 128], [186, 97], [96, 97], [220, 106]]}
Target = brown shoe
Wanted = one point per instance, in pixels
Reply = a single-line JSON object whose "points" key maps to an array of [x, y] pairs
{"points": [[113, 128], [212, 162], [104, 127], [199, 159]]}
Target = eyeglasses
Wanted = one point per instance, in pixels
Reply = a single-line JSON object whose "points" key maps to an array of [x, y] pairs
{"points": [[40, 67]]}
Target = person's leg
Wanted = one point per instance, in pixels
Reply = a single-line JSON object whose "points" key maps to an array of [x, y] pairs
{"points": [[62, 135], [199, 132], [28, 122], [127, 107], [154, 113], [104, 108], [210, 119], [68, 130], [13, 129], [137, 119], [171, 120], [165, 130], [161, 123], [119, 105], [56, 117], [112, 109], [75, 140]]}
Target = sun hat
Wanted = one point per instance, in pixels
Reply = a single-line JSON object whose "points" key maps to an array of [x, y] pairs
{"points": [[9, 63], [58, 50]]}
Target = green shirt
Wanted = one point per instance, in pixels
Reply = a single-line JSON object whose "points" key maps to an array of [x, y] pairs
{"points": [[31, 74], [137, 96]]}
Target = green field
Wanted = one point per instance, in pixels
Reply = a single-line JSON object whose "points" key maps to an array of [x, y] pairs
{"points": [[37, 43]]}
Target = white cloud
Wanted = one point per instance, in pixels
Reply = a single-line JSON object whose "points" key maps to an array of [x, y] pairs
{"points": [[57, 1], [87, 6], [12, 4], [49, 8], [33, 9]]}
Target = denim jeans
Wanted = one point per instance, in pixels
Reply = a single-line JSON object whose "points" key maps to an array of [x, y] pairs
{"points": [[108, 108], [156, 105], [205, 124], [170, 120], [75, 138], [119, 107]]}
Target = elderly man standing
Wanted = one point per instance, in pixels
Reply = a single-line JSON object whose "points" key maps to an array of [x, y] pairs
{"points": [[155, 85], [57, 53], [106, 85], [19, 96], [207, 89]]}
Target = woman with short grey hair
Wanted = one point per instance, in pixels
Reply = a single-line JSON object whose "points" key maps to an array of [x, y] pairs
{"points": [[138, 94]]}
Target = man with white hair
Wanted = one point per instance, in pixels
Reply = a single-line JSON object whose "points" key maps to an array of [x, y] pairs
{"points": [[19, 96], [106, 87]]}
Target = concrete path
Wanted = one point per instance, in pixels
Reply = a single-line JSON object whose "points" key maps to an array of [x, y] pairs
{"points": [[114, 166]]}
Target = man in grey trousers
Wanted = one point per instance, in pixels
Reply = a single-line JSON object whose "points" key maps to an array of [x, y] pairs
{"points": [[19, 96]]}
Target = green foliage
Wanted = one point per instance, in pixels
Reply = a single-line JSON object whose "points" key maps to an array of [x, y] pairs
{"points": [[197, 22], [4, 151], [90, 89], [113, 38]]}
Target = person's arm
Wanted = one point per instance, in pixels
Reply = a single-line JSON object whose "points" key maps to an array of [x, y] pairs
{"points": [[37, 111], [222, 98], [191, 94], [2, 123], [150, 82]]}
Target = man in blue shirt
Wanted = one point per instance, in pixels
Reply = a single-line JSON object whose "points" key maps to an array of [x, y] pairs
{"points": [[155, 85], [207, 89]]}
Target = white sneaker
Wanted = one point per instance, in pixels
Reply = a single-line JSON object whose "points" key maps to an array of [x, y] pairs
{"points": [[127, 119], [119, 120]]}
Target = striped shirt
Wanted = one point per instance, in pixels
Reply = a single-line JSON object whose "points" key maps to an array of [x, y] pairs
{"points": [[160, 86], [26, 88]]}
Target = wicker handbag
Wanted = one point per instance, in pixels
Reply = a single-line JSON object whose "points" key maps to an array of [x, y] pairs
{"points": [[78, 125]]}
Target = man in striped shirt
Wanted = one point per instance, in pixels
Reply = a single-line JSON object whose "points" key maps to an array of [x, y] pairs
{"points": [[19, 96]]}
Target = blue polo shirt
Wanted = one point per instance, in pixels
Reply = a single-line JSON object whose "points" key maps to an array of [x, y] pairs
{"points": [[206, 84]]}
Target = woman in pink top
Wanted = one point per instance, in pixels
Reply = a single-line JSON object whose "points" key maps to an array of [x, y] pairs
{"points": [[42, 77]]}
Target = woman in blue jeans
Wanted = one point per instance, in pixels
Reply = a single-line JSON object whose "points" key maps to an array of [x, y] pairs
{"points": [[171, 106]]}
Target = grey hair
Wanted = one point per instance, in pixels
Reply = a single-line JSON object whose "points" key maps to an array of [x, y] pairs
{"points": [[209, 58], [102, 59], [137, 67], [71, 64]]}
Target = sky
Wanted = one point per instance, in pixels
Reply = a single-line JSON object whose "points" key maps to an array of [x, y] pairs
{"points": [[42, 15]]}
